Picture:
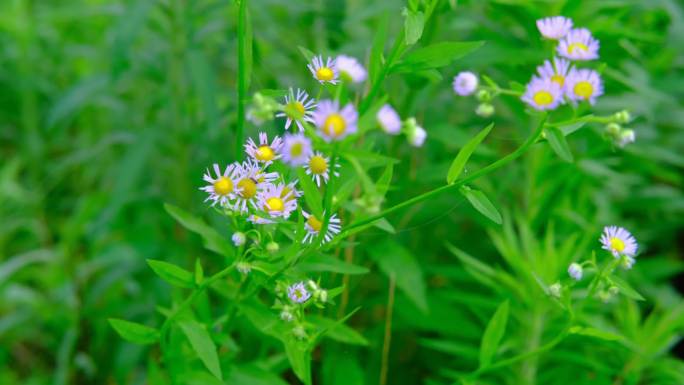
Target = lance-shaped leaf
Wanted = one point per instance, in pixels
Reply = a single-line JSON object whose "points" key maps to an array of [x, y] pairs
{"points": [[482, 204], [172, 274], [462, 157], [493, 334], [134, 332]]}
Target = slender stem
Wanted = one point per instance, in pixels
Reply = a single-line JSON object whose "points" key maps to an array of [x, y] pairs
{"points": [[242, 78], [388, 331], [477, 174]]}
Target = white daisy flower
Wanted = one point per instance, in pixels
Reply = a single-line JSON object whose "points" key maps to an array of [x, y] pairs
{"points": [[618, 241], [578, 44], [389, 120], [543, 94], [223, 187], [584, 85], [298, 293], [575, 271], [554, 27], [465, 83], [324, 72], [313, 226], [251, 179], [277, 202], [557, 72], [318, 166], [350, 69], [333, 123], [298, 108], [296, 149], [264, 152], [417, 136]]}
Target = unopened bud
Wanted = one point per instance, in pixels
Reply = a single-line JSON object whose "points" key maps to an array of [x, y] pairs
{"points": [[272, 247], [555, 290], [575, 271], [485, 110], [622, 117], [239, 238]]}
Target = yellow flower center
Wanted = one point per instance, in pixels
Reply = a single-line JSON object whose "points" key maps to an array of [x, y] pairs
{"points": [[314, 223], [560, 79], [295, 110], [325, 74], [248, 187], [543, 98], [265, 153], [296, 150], [223, 186], [275, 204], [584, 89], [298, 293], [617, 244], [318, 164], [577, 46], [334, 125]]}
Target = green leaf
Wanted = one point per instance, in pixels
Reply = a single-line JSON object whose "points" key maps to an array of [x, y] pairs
{"points": [[299, 355], [377, 49], [596, 333], [172, 274], [413, 26], [202, 345], [320, 262], [385, 180], [384, 224], [435, 56], [199, 272], [558, 143], [482, 204], [212, 239], [338, 331], [464, 154], [134, 332], [393, 259], [626, 289], [311, 193], [308, 55], [493, 334]]}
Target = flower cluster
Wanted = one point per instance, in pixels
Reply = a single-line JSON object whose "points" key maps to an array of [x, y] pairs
{"points": [[558, 81], [293, 298], [622, 245]]}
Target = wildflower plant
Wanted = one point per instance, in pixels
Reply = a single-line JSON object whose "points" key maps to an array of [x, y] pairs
{"points": [[299, 190]]}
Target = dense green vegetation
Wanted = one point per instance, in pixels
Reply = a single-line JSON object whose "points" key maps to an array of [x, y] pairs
{"points": [[110, 110]]}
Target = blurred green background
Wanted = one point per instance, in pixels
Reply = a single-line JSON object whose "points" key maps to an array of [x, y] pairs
{"points": [[108, 109]]}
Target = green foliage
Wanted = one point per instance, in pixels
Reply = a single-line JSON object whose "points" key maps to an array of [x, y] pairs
{"points": [[113, 269]]}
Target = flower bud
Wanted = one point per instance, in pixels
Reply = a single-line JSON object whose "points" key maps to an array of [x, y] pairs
{"points": [[286, 315], [323, 296], [627, 262], [299, 332], [555, 290], [613, 129], [243, 267], [484, 96], [613, 290], [622, 117], [485, 110], [239, 238], [626, 137], [272, 247], [575, 271]]}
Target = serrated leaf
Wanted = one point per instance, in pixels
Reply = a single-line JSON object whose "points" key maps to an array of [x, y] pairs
{"points": [[202, 344], [558, 143], [464, 154], [413, 26], [435, 56], [172, 274], [312, 195], [481, 203], [626, 289], [493, 334], [134, 332]]}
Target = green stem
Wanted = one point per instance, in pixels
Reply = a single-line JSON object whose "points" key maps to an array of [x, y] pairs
{"points": [[242, 78], [477, 174]]}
